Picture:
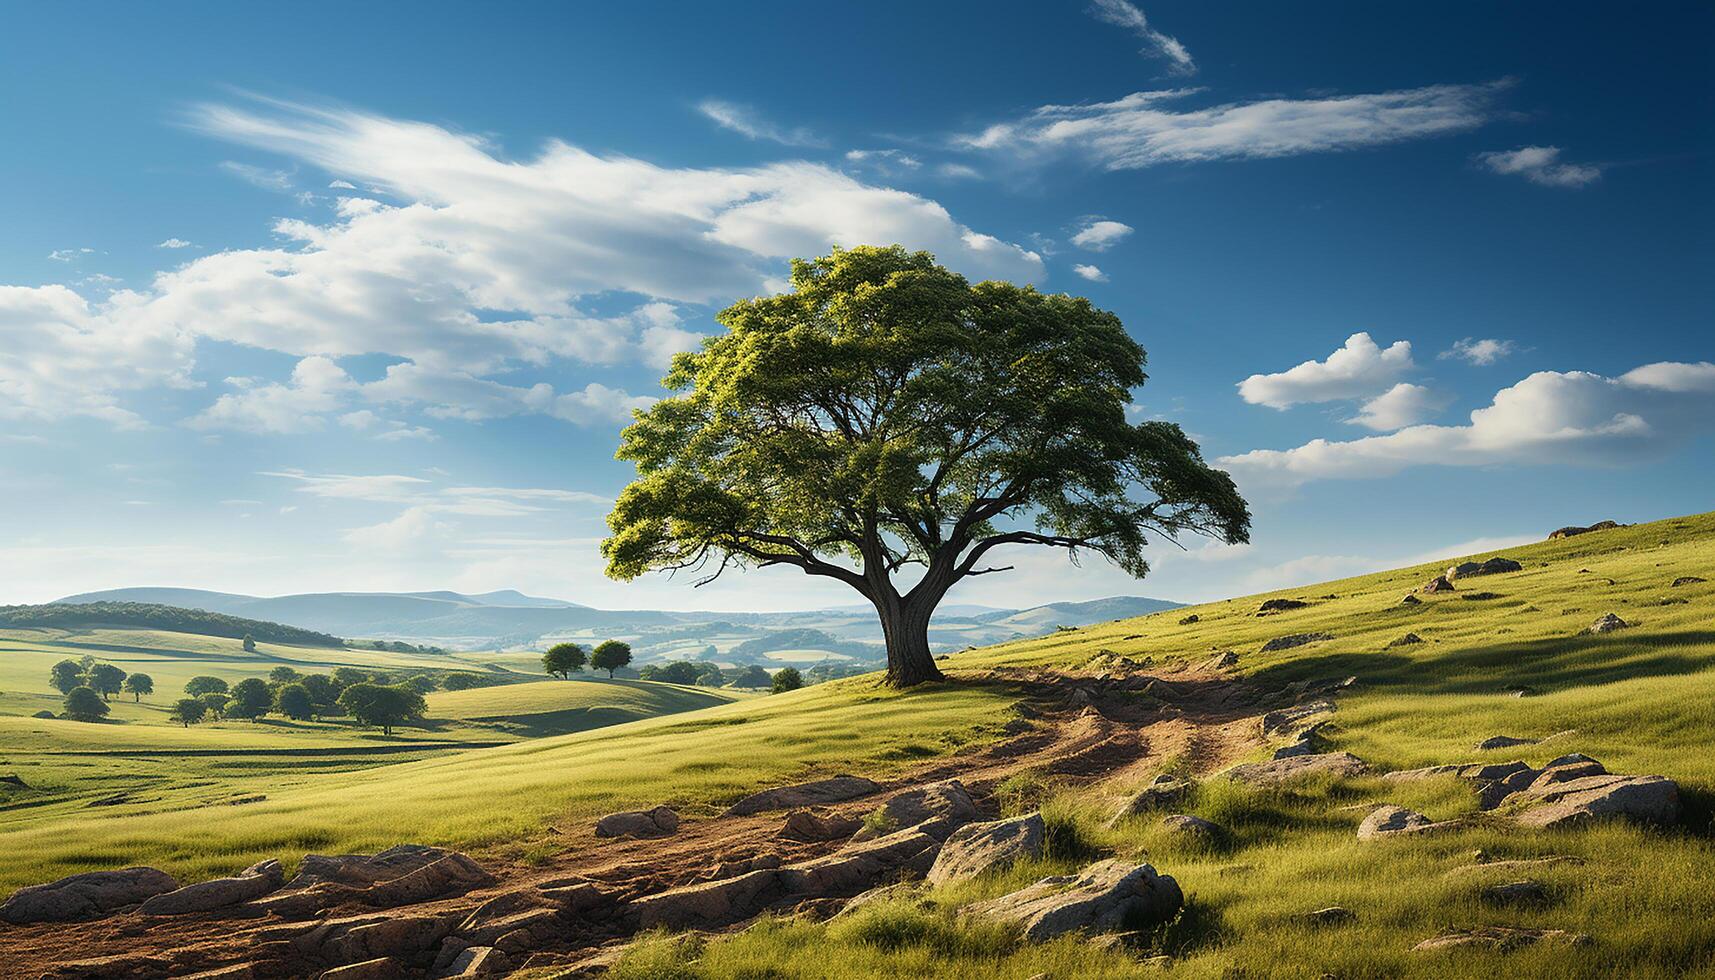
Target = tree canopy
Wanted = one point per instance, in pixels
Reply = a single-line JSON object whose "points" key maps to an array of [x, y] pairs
{"points": [[886, 413], [187, 711], [610, 655], [382, 706], [293, 701], [65, 676], [202, 684], [786, 679], [138, 685], [106, 679], [84, 704], [563, 658], [250, 698]]}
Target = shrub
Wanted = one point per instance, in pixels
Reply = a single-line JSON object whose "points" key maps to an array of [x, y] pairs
{"points": [[83, 704], [787, 679]]}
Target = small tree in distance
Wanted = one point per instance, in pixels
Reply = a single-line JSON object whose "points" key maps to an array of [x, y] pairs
{"points": [[293, 701], [187, 711], [66, 675], [610, 655], [787, 679], [382, 707], [215, 702], [563, 658], [83, 704], [284, 675], [106, 679], [250, 699], [138, 685], [202, 684], [249, 643]]}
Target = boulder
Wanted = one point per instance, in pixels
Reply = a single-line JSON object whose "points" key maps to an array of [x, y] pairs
{"points": [[1282, 770], [1494, 566], [1503, 742], [1437, 584], [1644, 799], [1280, 605], [1389, 821], [1186, 825], [936, 809], [1499, 938], [837, 789], [1188, 620], [898, 891], [1333, 915], [1109, 896], [1462, 569], [1480, 596], [451, 874], [360, 939], [1294, 640], [1286, 719], [1573, 530], [205, 896], [1220, 661], [1165, 792], [977, 848], [1405, 641], [477, 961], [85, 896], [658, 822], [1608, 623], [1410, 600], [380, 968], [1688, 580], [812, 825], [362, 870]]}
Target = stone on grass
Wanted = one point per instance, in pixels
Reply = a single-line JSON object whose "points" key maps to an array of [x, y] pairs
{"points": [[1280, 605], [1522, 892], [937, 809], [1166, 791], [1410, 600], [1188, 620], [1643, 799], [1389, 820], [1294, 640], [1688, 580], [977, 848], [1109, 896], [1499, 938], [658, 822], [1333, 915], [205, 896], [811, 825], [1283, 770], [85, 896], [1503, 742], [1574, 530], [1186, 825], [1438, 584], [1405, 641], [836, 789], [1608, 623]]}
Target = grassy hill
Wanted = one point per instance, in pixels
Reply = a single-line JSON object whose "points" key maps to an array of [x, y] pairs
{"points": [[154, 616], [559, 707], [1639, 700]]}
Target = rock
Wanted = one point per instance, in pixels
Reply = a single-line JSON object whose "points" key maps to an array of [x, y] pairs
{"points": [[1524, 892], [1574, 530], [1188, 620], [1682, 580], [12, 779], [838, 789], [883, 893], [977, 848], [1644, 799], [1286, 719], [1220, 661], [204, 896], [380, 968], [1165, 792], [1333, 915], [659, 822], [478, 961], [1499, 938], [1570, 759], [362, 939], [1608, 624], [1438, 584], [1109, 896], [85, 896], [1280, 605], [1494, 566], [451, 874], [362, 870], [1503, 742], [810, 825], [1390, 820], [1294, 640], [937, 809], [1564, 772], [1480, 596], [1282, 770], [1405, 641], [1410, 600], [1186, 825], [1462, 569]]}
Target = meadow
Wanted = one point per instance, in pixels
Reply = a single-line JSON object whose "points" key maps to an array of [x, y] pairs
{"points": [[1640, 700]]}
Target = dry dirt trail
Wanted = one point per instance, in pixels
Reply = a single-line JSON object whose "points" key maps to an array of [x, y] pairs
{"points": [[1084, 729]]}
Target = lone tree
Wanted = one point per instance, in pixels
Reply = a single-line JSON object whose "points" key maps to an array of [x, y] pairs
{"points": [[187, 711], [786, 679], [66, 676], [293, 701], [563, 658], [610, 655], [250, 699], [382, 707], [106, 679], [138, 685], [83, 704], [202, 684], [249, 643], [887, 413]]}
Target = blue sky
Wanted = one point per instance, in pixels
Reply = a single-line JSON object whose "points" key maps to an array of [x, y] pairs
{"points": [[358, 296]]}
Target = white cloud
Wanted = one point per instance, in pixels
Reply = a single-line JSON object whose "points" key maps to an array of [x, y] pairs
{"points": [[68, 254], [176, 243], [263, 177], [1099, 236], [958, 171], [889, 163], [749, 123], [1137, 131], [1090, 272], [1540, 165], [1357, 370], [1156, 44], [1402, 405], [1566, 418], [1479, 352], [317, 386], [478, 271], [342, 185]]}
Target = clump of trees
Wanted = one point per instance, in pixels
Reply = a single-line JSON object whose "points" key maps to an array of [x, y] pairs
{"points": [[83, 704], [701, 673], [383, 706], [138, 685], [187, 711], [400, 646], [752, 676], [72, 678]]}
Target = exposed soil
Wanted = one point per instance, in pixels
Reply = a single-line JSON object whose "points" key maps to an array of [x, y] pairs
{"points": [[1081, 729]]}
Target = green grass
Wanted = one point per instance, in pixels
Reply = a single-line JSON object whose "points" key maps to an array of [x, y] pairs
{"points": [[557, 707], [1641, 700]]}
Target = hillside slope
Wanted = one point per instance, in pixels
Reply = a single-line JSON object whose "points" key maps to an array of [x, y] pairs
{"points": [[1637, 699]]}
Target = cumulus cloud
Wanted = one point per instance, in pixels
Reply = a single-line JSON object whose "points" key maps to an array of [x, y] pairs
{"points": [[1358, 369], [748, 122], [1572, 418], [1090, 272], [1479, 352], [1540, 165], [1155, 44], [318, 385], [477, 267], [1101, 235], [1142, 130], [1402, 405]]}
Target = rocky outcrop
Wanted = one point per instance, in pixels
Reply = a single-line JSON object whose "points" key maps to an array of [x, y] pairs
{"points": [[1188, 620], [1608, 623], [658, 822], [936, 809], [450, 874], [397, 876], [1688, 580], [1576, 801], [206, 896], [978, 848], [1408, 639], [85, 896], [1494, 566], [1287, 719], [1283, 770], [1294, 640], [1503, 742], [1394, 821], [837, 789], [1573, 530], [1500, 938], [1109, 896], [361, 870], [1439, 583], [1280, 605], [1410, 600], [815, 825]]}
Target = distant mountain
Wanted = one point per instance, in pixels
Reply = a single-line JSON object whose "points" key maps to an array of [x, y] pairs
{"points": [[511, 619], [155, 616]]}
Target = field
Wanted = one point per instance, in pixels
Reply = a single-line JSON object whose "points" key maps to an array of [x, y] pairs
{"points": [[1640, 700]]}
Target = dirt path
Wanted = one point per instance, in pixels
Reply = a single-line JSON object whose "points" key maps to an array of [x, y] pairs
{"points": [[1083, 730]]}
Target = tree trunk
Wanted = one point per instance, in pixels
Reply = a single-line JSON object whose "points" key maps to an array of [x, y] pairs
{"points": [[906, 629]]}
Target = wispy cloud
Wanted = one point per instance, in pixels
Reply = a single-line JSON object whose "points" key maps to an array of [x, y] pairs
{"points": [[1540, 165], [748, 122], [268, 180], [1479, 352], [1099, 235], [176, 243], [1155, 43]]}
